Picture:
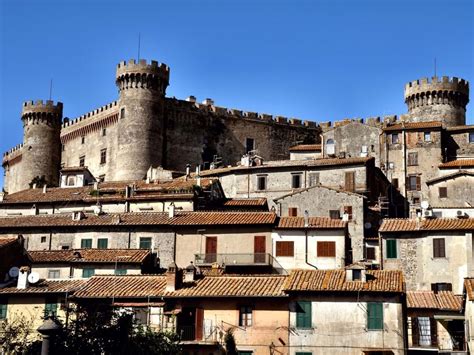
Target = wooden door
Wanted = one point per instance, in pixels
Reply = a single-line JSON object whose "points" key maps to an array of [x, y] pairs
{"points": [[199, 323], [259, 248], [211, 249], [349, 183]]}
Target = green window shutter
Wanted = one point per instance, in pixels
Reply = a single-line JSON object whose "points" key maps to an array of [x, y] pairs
{"points": [[86, 243], [145, 243], [3, 310], [374, 316], [102, 243], [303, 314], [120, 271], [51, 310], [87, 272], [391, 248]]}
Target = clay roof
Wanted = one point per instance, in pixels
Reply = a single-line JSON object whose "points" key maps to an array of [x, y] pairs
{"points": [[316, 187], [46, 286], [245, 202], [335, 280], [413, 125], [110, 191], [128, 256], [469, 286], [74, 168], [314, 223], [443, 300], [140, 219], [4, 241], [460, 163], [141, 286], [277, 164], [450, 176], [306, 148], [422, 225], [460, 128]]}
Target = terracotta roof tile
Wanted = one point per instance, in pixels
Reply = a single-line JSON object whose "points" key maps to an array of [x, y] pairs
{"points": [[469, 286], [4, 241], [128, 256], [443, 300], [306, 148], [413, 125], [450, 176], [461, 128], [110, 191], [335, 280], [245, 202], [314, 223], [140, 286], [140, 219], [46, 286], [460, 163], [435, 224]]}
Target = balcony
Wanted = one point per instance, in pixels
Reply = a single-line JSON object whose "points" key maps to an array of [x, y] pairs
{"points": [[263, 259]]}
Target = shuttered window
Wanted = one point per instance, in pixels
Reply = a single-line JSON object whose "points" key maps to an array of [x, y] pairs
{"points": [[88, 272], [102, 243], [86, 243], [439, 250], [370, 253], [51, 309], [293, 211], [284, 248], [334, 214], [391, 248], [303, 314], [349, 181], [326, 249], [3, 310], [374, 316], [443, 192], [414, 183], [348, 211], [412, 159]]}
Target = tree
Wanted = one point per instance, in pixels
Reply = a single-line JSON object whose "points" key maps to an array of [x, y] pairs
{"points": [[16, 335], [229, 340]]}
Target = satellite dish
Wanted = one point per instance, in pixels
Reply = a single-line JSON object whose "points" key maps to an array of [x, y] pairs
{"points": [[367, 225], [425, 204], [14, 272], [33, 278]]}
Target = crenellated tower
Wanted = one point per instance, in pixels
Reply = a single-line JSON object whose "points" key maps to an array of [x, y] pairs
{"points": [[41, 153], [142, 88], [438, 99]]}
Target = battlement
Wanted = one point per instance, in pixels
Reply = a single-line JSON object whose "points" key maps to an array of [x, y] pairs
{"points": [[143, 67], [92, 114], [39, 106], [12, 153], [444, 83]]}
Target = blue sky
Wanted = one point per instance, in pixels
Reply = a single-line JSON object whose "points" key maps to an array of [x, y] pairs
{"points": [[316, 60]]}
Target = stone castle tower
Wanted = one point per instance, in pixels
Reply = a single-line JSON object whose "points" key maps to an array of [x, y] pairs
{"points": [[442, 99], [41, 154], [142, 89]]}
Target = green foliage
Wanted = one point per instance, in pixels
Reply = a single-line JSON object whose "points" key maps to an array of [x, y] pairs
{"points": [[39, 181], [94, 193], [16, 335], [229, 340]]}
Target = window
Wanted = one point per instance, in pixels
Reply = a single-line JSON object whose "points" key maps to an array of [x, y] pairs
{"points": [[427, 136], [334, 214], [348, 211], [356, 275], [412, 159], [293, 211], [303, 314], [145, 243], [54, 274], [83, 140], [120, 271], [104, 132], [443, 192], [261, 183], [284, 248], [394, 138], [88, 272], [330, 147], [122, 112], [295, 181], [3, 309], [63, 147], [86, 243], [102, 243], [82, 160], [471, 137], [370, 253], [395, 183], [414, 183], [374, 316], [50, 308], [423, 331], [43, 239], [103, 156], [391, 248], [245, 316], [244, 352], [439, 248], [71, 180], [326, 249], [249, 144], [65, 247], [313, 179], [349, 181], [441, 286]]}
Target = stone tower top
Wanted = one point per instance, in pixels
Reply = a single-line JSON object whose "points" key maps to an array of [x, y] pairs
{"points": [[35, 111], [443, 99], [154, 76]]}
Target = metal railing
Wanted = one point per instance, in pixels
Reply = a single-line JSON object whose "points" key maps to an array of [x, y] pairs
{"points": [[233, 259], [187, 332]]}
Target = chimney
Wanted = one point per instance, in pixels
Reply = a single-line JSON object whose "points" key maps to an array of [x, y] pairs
{"points": [[208, 102], [128, 191], [190, 273], [96, 185], [34, 210], [171, 210], [98, 209], [23, 278], [174, 277], [191, 99], [116, 219], [44, 189], [188, 171], [34, 185]]}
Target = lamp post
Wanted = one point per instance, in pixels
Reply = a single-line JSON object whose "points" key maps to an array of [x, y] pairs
{"points": [[47, 329]]}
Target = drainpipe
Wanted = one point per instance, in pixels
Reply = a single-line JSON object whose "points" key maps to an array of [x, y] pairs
{"points": [[129, 238], [306, 225], [404, 154], [50, 240]]}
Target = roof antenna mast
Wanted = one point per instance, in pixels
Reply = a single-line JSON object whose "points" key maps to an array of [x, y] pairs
{"points": [[50, 88], [435, 66], [138, 47]]}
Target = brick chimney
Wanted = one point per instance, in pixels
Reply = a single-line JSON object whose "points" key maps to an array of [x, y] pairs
{"points": [[174, 277]]}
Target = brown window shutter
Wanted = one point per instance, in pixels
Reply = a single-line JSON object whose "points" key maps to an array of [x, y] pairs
{"points": [[415, 331], [370, 253], [284, 249], [293, 211], [348, 210], [418, 183], [278, 249], [443, 192], [349, 181], [395, 183], [199, 323], [434, 332], [326, 249]]}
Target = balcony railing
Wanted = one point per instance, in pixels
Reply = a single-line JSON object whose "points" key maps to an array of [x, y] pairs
{"points": [[187, 332], [233, 259]]}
